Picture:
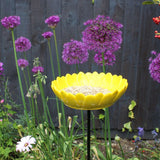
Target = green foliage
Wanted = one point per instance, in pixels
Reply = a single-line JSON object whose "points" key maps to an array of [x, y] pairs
{"points": [[131, 116], [151, 2], [101, 116]]}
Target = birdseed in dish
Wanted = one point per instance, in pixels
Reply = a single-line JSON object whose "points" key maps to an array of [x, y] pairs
{"points": [[86, 90]]}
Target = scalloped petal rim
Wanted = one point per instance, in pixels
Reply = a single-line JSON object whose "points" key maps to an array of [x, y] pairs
{"points": [[117, 85]]}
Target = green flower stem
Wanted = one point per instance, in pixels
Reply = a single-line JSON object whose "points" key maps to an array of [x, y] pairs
{"points": [[37, 113], [104, 69], [107, 121], [53, 73], [29, 77], [51, 59], [5, 90], [59, 72], [43, 99], [19, 79], [82, 116], [50, 117], [93, 122], [55, 41], [121, 149], [25, 79]]}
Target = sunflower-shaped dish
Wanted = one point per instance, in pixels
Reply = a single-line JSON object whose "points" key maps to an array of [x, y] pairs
{"points": [[89, 91]]}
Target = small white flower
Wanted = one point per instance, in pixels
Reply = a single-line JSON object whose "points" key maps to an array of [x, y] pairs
{"points": [[25, 144]]}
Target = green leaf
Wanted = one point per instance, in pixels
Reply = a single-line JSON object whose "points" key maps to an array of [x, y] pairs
{"points": [[157, 130], [131, 115], [132, 105], [147, 2], [98, 153], [101, 116], [123, 129], [128, 126], [134, 158], [7, 106], [115, 157]]}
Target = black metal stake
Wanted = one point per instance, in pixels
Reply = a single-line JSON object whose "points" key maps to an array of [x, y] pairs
{"points": [[88, 134]]}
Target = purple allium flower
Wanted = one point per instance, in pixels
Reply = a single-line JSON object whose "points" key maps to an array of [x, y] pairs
{"points": [[154, 52], [35, 69], [140, 132], [47, 35], [22, 63], [154, 68], [1, 68], [22, 44], [10, 22], [109, 58], [102, 34], [52, 21], [74, 52]]}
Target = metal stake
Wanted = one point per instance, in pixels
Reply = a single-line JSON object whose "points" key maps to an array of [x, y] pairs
{"points": [[88, 134]]}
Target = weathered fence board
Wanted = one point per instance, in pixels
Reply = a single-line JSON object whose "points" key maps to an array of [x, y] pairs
{"points": [[132, 58]]}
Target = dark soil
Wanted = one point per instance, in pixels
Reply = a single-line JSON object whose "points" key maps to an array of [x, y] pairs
{"points": [[143, 150]]}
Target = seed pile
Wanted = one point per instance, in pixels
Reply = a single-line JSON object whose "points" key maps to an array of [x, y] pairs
{"points": [[86, 90]]}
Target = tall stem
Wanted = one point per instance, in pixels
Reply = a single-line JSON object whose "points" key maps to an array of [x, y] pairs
{"points": [[82, 117], [43, 99], [88, 135], [107, 121], [59, 72], [51, 59], [55, 41], [29, 77], [53, 72], [19, 79], [31, 108]]}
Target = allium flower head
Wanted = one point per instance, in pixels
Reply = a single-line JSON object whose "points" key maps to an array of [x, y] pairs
{"points": [[10, 22], [109, 58], [154, 67], [140, 132], [102, 34], [52, 21], [22, 63], [35, 69], [47, 35], [22, 44], [1, 68], [25, 144], [74, 52]]}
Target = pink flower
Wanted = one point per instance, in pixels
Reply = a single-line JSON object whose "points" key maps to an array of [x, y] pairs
{"points": [[37, 68], [22, 44], [52, 21], [109, 58], [47, 35], [22, 63], [74, 52], [102, 33], [154, 66], [10, 22], [2, 101], [1, 68]]}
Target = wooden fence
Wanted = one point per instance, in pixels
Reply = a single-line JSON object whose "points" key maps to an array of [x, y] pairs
{"points": [[132, 58]]}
